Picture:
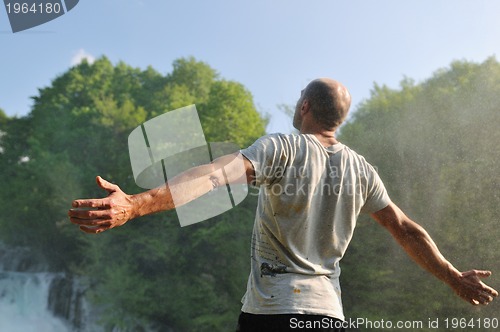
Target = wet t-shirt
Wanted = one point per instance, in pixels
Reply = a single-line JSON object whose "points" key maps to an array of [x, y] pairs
{"points": [[309, 199]]}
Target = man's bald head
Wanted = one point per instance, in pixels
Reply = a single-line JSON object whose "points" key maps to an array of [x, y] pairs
{"points": [[328, 101]]}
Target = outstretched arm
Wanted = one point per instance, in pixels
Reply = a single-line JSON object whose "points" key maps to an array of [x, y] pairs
{"points": [[419, 245], [98, 215]]}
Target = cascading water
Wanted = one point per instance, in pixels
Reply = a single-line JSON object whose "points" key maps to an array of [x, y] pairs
{"points": [[24, 303], [33, 300]]}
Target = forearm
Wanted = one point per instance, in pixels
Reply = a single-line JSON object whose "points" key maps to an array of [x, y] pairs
{"points": [[416, 242], [96, 215], [180, 190], [420, 247]]}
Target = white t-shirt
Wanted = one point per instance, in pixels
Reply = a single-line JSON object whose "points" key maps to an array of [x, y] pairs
{"points": [[310, 197]]}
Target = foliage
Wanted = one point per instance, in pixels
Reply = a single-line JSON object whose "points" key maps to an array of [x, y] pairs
{"points": [[3, 117], [150, 272], [435, 145]]}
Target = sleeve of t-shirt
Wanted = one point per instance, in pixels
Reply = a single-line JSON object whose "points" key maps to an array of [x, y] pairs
{"points": [[267, 155], [377, 197]]}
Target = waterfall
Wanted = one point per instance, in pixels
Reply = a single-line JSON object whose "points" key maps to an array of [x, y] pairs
{"points": [[33, 300], [24, 303]]}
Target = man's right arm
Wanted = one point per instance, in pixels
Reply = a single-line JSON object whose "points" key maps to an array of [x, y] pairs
{"points": [[419, 245], [100, 214]]}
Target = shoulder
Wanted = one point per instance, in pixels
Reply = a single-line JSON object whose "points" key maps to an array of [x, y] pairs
{"points": [[277, 140], [274, 147], [357, 160], [352, 153]]}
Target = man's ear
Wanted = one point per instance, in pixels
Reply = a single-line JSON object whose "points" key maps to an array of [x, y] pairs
{"points": [[304, 109]]}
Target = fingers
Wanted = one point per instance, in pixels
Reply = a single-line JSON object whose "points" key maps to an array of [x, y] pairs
{"points": [[94, 230], [96, 221], [108, 186], [478, 273], [488, 290], [474, 290], [99, 203], [91, 218], [90, 222], [97, 215], [483, 299], [482, 274], [93, 226], [90, 214]]}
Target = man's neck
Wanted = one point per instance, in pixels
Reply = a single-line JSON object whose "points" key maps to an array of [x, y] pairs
{"points": [[325, 137]]}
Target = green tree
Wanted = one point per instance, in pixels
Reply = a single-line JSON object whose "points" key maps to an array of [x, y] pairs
{"points": [[229, 114], [435, 146], [3, 126], [151, 271], [3, 117]]}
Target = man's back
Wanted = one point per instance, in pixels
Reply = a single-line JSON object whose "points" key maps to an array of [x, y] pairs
{"points": [[310, 197]]}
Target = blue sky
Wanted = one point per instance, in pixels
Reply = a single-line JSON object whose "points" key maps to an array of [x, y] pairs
{"points": [[273, 47]]}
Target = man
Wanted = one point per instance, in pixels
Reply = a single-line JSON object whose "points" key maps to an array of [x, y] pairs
{"points": [[312, 189]]}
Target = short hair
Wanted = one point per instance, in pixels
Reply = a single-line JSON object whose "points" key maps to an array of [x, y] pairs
{"points": [[327, 104]]}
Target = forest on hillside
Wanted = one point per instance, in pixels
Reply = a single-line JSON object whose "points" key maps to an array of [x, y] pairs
{"points": [[435, 144], [436, 147]]}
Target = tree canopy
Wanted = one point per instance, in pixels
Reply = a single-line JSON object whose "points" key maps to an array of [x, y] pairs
{"points": [[435, 145]]}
